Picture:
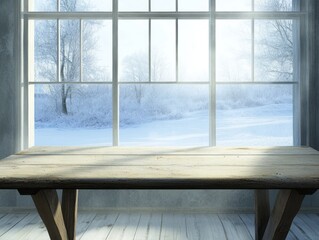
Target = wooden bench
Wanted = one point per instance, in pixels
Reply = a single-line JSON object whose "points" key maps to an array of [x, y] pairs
{"points": [[40, 171]]}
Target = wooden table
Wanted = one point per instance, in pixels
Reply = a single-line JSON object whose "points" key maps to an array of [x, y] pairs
{"points": [[39, 171]]}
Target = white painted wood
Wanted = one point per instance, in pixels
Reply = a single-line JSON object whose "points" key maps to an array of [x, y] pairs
{"points": [[84, 221], [22, 228], [308, 219], [299, 232], [100, 227], [249, 221], [149, 226], [234, 227], [216, 226], [28, 226], [38, 230], [1, 216], [125, 226], [173, 227], [301, 226], [204, 226], [9, 221]]}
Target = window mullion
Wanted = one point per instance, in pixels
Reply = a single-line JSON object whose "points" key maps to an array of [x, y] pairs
{"points": [[58, 44], [149, 50], [26, 129], [58, 50], [253, 50], [115, 85], [81, 50], [176, 44], [212, 74], [176, 51]]}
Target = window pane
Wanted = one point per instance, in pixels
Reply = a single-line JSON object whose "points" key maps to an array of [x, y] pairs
{"points": [[70, 51], [133, 51], [233, 50], [193, 50], [193, 6], [43, 5], [45, 50], [254, 115], [73, 115], [275, 47], [97, 50], [163, 5], [277, 5], [85, 5], [163, 50], [164, 115], [233, 5], [134, 6]]}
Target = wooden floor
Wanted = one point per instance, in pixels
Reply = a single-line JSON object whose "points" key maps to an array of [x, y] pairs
{"points": [[153, 225]]}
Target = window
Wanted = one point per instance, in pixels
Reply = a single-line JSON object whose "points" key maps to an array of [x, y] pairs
{"points": [[165, 73]]}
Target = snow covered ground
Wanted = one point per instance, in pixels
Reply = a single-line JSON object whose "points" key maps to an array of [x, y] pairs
{"points": [[268, 125]]}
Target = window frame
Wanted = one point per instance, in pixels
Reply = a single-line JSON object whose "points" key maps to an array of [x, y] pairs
{"points": [[300, 92]]}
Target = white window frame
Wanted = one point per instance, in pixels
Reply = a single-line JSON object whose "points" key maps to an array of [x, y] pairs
{"points": [[300, 118]]}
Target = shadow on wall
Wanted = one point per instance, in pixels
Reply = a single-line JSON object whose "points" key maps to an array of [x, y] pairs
{"points": [[211, 200]]}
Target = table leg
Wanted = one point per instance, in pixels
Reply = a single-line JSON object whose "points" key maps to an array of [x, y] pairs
{"points": [[286, 207], [70, 210], [60, 220], [49, 209], [262, 212]]}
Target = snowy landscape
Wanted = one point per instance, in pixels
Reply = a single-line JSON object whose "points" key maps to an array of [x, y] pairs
{"points": [[251, 116], [269, 125], [77, 108]]}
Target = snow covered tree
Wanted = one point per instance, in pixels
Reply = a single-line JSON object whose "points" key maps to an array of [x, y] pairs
{"points": [[70, 53]]}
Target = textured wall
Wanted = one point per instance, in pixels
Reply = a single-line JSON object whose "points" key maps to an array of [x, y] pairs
{"points": [[8, 77], [8, 88], [314, 80], [215, 200]]}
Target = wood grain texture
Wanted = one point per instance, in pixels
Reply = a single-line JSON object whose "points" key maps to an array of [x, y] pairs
{"points": [[83, 223], [262, 211], [149, 226], [10, 220], [97, 225], [286, 207], [49, 209], [100, 226], [249, 221], [173, 227], [167, 150], [125, 227], [234, 227], [22, 228], [70, 211], [161, 168]]}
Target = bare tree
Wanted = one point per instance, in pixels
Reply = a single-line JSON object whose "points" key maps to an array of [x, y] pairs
{"points": [[69, 69], [278, 40], [136, 69]]}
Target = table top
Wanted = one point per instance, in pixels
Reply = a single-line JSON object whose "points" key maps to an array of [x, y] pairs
{"points": [[161, 168]]}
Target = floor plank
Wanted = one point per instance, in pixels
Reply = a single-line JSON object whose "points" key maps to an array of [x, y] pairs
{"points": [[9, 221], [173, 227], [83, 223], [22, 228], [249, 221], [150, 225], [100, 227], [234, 227], [125, 226]]}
